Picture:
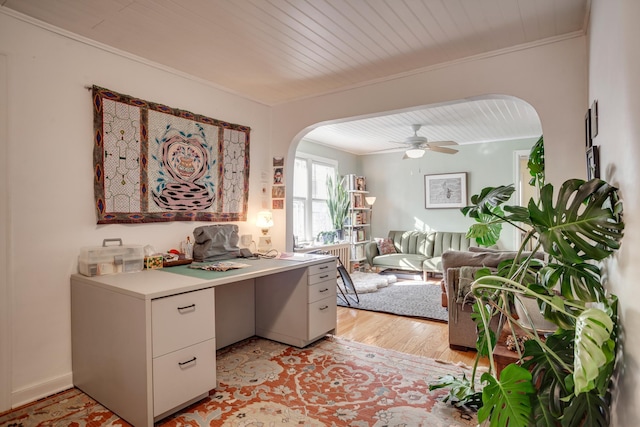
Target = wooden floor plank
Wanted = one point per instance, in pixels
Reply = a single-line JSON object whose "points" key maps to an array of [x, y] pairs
{"points": [[419, 337]]}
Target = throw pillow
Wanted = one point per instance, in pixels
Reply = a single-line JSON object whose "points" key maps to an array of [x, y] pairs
{"points": [[386, 246]]}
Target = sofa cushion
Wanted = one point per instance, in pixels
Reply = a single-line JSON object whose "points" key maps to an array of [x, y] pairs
{"points": [[400, 261], [385, 246], [450, 241], [432, 265], [412, 242]]}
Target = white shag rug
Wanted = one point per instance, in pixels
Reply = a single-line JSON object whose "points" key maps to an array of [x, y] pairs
{"points": [[368, 282]]}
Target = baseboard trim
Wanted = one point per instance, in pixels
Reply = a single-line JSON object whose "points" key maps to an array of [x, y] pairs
{"points": [[38, 391]]}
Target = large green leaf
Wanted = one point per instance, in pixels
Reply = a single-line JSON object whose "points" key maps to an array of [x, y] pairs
{"points": [[583, 224], [549, 374], [486, 231], [535, 164], [507, 402], [483, 341], [587, 410], [461, 391], [592, 350], [580, 281], [488, 198]]}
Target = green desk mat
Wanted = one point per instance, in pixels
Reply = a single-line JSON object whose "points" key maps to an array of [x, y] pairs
{"points": [[254, 266]]}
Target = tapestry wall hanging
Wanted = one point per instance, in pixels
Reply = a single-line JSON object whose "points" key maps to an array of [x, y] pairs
{"points": [[154, 163]]}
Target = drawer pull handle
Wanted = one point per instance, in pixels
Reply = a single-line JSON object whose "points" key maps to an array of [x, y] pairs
{"points": [[323, 267], [324, 290], [324, 308], [324, 277], [186, 307], [193, 359]]}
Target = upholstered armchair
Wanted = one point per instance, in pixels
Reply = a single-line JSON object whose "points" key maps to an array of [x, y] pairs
{"points": [[458, 268]]}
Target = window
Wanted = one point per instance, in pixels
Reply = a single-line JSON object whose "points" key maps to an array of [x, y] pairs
{"points": [[310, 212]]}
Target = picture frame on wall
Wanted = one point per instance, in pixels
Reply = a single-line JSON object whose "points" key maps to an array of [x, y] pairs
{"points": [[593, 121], [593, 162], [445, 190], [587, 130]]}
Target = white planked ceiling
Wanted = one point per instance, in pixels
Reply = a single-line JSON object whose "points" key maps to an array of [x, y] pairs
{"points": [[276, 51], [487, 119]]}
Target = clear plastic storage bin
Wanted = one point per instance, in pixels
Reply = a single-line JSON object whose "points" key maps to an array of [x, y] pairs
{"points": [[110, 259]]}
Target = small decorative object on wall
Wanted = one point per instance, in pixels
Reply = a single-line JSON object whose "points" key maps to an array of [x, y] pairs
{"points": [[445, 190], [153, 163], [277, 192], [593, 162], [278, 175], [278, 189], [587, 129]]}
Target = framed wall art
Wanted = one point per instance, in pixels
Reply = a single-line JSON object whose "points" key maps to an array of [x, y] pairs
{"points": [[155, 163], [593, 162], [587, 130], [445, 190]]}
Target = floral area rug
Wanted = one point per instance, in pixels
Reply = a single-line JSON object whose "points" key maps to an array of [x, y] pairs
{"points": [[262, 383]]}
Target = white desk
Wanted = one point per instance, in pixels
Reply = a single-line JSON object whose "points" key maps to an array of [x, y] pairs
{"points": [[144, 344]]}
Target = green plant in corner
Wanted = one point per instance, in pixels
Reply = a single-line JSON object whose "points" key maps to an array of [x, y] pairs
{"points": [[338, 202], [565, 378]]}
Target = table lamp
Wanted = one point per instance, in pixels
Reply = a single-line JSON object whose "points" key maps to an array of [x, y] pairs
{"points": [[264, 222]]}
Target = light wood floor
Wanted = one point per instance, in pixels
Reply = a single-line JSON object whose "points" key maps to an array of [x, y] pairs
{"points": [[419, 337]]}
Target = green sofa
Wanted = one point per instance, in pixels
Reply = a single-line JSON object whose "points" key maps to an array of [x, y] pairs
{"points": [[417, 250]]}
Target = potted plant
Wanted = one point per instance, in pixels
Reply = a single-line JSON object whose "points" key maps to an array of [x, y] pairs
{"points": [[327, 237], [563, 378], [338, 203]]}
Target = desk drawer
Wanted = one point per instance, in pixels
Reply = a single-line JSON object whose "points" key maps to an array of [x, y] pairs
{"points": [[322, 290], [183, 375], [182, 320], [322, 277], [325, 267], [322, 316]]}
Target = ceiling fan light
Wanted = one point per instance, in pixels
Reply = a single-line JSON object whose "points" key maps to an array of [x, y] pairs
{"points": [[414, 153]]}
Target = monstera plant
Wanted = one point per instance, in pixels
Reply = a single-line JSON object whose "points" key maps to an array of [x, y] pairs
{"points": [[562, 378]]}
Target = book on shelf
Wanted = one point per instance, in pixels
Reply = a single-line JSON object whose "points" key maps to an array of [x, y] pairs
{"points": [[357, 252], [357, 218], [358, 201]]}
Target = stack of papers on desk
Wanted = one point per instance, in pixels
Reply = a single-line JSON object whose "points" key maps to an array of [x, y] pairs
{"points": [[298, 256]]}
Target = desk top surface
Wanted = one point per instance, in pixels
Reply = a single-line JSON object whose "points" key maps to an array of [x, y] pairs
{"points": [[150, 284]]}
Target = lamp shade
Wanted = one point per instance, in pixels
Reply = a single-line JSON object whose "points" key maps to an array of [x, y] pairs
{"points": [[414, 153], [370, 200], [264, 220]]}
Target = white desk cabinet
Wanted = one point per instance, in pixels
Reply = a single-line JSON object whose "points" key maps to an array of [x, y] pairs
{"points": [[297, 307], [144, 344]]}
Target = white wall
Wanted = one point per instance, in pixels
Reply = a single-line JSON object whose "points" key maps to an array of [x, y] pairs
{"points": [[347, 162], [552, 78], [399, 185], [49, 175], [614, 80]]}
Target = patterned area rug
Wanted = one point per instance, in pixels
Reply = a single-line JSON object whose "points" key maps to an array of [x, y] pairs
{"points": [[405, 298], [262, 383]]}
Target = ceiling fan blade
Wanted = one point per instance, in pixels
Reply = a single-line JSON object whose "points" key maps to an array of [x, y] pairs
{"points": [[440, 143], [443, 149]]}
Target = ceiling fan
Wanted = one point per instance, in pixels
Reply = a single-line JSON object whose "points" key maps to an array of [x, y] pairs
{"points": [[419, 144]]}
